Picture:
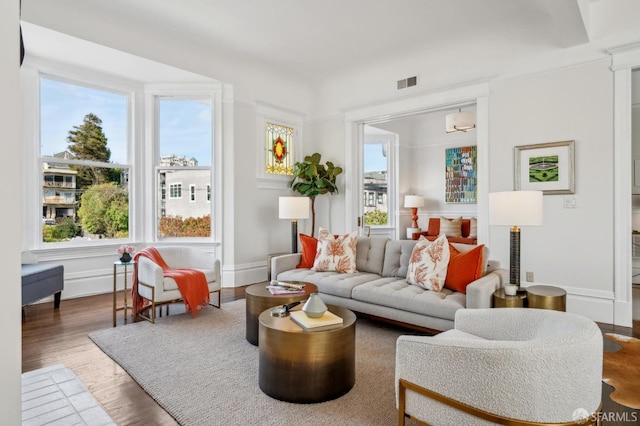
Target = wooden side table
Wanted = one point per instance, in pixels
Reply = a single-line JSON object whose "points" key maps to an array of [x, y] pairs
{"points": [[259, 298], [547, 297], [125, 307], [501, 300]]}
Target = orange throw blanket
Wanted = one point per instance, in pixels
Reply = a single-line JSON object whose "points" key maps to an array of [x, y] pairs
{"points": [[191, 283]]}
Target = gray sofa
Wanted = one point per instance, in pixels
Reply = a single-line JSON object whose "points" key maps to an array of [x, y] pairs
{"points": [[379, 288]]}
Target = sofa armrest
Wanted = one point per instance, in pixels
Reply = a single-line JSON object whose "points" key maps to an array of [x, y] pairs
{"points": [[149, 272], [480, 292], [283, 263]]}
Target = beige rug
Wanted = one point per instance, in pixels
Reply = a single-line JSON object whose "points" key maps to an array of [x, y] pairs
{"points": [[202, 371], [621, 369]]}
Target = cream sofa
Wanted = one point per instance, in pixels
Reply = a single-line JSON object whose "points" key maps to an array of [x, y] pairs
{"points": [[379, 288]]}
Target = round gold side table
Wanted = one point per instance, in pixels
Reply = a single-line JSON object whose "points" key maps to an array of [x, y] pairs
{"points": [[306, 366], [259, 298], [547, 297], [501, 300]]}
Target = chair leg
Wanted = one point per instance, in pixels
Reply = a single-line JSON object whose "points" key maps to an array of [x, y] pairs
{"points": [[219, 300]]}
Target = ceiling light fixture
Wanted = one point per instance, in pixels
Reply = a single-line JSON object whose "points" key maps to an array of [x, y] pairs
{"points": [[460, 121]]}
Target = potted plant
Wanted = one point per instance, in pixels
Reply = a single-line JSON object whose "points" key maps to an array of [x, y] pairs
{"points": [[310, 178]]}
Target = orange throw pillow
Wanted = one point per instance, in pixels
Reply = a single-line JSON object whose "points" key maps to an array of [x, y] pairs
{"points": [[464, 268], [309, 247]]}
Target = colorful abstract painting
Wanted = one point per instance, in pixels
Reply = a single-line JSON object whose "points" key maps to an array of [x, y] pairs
{"points": [[461, 175]]}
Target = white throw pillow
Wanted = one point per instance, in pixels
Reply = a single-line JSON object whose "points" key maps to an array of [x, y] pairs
{"points": [[428, 264], [336, 254], [452, 228]]}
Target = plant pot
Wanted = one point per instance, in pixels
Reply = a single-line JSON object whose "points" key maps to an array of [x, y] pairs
{"points": [[125, 258], [510, 289]]}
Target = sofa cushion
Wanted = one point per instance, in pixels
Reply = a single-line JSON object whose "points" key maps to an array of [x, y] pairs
{"points": [[451, 227], [329, 282], [428, 265], [396, 258], [396, 293], [370, 254], [473, 228], [336, 254], [464, 267]]}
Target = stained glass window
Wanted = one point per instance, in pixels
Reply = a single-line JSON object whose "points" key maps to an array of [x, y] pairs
{"points": [[279, 158]]}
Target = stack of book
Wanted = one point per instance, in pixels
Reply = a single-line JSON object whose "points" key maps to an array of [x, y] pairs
{"points": [[327, 321], [281, 287]]}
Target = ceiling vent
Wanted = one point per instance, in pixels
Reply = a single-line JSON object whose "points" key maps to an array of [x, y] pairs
{"points": [[407, 82]]}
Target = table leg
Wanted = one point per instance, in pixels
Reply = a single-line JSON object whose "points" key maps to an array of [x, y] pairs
{"points": [[114, 295], [125, 295]]}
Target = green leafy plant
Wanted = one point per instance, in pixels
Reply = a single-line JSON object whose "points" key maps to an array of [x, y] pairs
{"points": [[310, 178]]}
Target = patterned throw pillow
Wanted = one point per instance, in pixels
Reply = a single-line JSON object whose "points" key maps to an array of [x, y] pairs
{"points": [[336, 253], [452, 228], [428, 264]]}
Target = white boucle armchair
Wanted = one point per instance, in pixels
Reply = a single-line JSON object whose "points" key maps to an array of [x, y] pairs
{"points": [[531, 365], [153, 286]]}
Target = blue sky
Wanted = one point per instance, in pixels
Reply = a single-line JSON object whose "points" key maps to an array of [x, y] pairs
{"points": [[374, 161], [185, 126]]}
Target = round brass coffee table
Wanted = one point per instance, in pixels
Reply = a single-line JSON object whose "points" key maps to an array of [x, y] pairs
{"points": [[307, 366], [258, 298], [547, 297]]}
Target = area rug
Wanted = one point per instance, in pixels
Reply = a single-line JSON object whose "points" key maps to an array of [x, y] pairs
{"points": [[621, 370], [55, 395], [203, 371]]}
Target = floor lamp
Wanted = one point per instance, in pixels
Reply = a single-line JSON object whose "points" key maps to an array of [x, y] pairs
{"points": [[413, 202], [294, 208], [515, 209]]}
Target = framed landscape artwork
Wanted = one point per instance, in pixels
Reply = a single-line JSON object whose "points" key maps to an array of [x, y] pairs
{"points": [[460, 174], [546, 167]]}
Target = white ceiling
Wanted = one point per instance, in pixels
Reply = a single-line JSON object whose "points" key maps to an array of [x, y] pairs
{"points": [[314, 39]]}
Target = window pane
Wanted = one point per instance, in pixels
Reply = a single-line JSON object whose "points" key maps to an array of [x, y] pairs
{"points": [[185, 132], [375, 183], [64, 106], [81, 124], [279, 149], [96, 211], [180, 216]]}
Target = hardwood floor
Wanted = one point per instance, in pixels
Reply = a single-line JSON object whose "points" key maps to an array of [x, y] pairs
{"points": [[60, 337]]}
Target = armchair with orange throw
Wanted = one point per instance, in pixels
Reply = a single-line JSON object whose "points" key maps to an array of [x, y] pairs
{"points": [[169, 274]]}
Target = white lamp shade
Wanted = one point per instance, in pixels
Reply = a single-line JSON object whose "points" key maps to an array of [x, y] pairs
{"points": [[413, 201], [460, 121], [515, 208], [294, 208]]}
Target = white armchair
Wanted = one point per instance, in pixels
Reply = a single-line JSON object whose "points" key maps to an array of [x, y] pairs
{"points": [[152, 285], [527, 366]]}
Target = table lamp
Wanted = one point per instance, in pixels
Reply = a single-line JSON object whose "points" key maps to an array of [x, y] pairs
{"points": [[294, 208], [515, 209], [413, 202]]}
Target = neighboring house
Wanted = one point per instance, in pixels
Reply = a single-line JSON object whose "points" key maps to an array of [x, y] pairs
{"points": [[375, 191], [59, 190]]}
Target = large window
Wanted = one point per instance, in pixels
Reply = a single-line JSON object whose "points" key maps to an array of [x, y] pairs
{"points": [[185, 144], [83, 162]]}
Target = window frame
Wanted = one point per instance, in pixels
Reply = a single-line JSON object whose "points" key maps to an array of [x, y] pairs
{"points": [[154, 95], [31, 91], [391, 140]]}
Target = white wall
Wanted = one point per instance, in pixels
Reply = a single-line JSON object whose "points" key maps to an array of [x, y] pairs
{"points": [[10, 356], [574, 247]]}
